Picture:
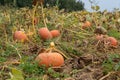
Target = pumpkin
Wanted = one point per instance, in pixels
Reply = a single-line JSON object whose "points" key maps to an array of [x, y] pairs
{"points": [[113, 41], [99, 37], [20, 36], [86, 24], [55, 33], [50, 59], [44, 33]]}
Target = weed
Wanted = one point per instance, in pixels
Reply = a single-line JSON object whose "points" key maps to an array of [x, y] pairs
{"points": [[29, 67], [114, 33], [112, 63], [55, 74]]}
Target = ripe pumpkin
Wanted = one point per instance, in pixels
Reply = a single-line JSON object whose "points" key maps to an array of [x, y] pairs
{"points": [[86, 24], [44, 33], [113, 41], [20, 36], [55, 33], [99, 37], [50, 59]]}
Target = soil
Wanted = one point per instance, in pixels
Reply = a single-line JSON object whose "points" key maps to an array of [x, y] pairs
{"points": [[88, 66]]}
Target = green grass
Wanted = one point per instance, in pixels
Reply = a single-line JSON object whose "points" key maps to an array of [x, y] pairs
{"points": [[114, 33]]}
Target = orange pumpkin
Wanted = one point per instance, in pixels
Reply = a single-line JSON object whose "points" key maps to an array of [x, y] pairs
{"points": [[20, 36], [86, 24], [55, 33], [99, 37], [113, 41], [44, 33], [50, 59]]}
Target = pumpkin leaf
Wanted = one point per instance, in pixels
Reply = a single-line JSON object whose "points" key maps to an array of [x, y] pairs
{"points": [[16, 74]]}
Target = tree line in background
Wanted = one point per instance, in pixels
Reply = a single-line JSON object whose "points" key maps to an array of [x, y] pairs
{"points": [[68, 5]]}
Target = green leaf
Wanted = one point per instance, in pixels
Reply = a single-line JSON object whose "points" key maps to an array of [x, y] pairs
{"points": [[114, 33], [16, 74], [117, 67]]}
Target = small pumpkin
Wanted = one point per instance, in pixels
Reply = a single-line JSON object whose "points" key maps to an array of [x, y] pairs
{"points": [[86, 24], [55, 33], [50, 59], [99, 36], [44, 33], [113, 41], [20, 36]]}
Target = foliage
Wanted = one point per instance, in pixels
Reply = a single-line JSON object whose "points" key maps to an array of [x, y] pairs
{"points": [[23, 3], [54, 74], [68, 5], [110, 64], [114, 33], [6, 1], [16, 75], [31, 68]]}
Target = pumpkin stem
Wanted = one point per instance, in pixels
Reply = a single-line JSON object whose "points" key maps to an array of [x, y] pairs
{"points": [[52, 47], [60, 53]]}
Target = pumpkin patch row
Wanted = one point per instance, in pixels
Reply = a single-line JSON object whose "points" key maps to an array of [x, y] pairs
{"points": [[44, 33], [108, 39], [50, 57]]}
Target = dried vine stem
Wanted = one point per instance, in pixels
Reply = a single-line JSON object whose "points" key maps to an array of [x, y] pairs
{"points": [[43, 15], [33, 17], [106, 75], [52, 48]]}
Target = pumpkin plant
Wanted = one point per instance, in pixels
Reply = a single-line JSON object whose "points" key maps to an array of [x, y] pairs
{"points": [[51, 57], [107, 40]]}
